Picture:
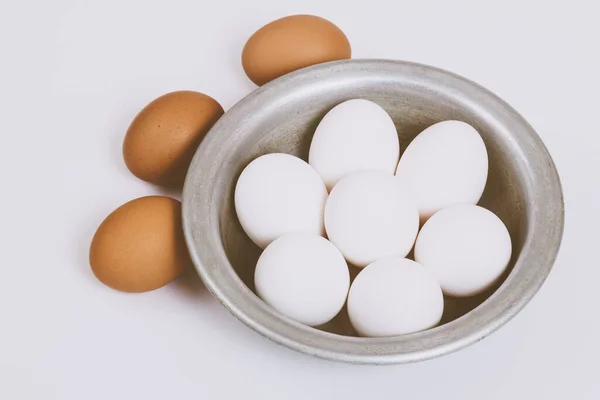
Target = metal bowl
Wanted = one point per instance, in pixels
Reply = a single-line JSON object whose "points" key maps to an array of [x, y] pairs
{"points": [[523, 189]]}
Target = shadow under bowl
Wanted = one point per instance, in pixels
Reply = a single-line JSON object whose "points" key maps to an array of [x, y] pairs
{"points": [[523, 189]]}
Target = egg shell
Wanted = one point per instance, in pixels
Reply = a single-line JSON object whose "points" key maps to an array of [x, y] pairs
{"points": [[394, 296], [356, 135], [277, 194], [291, 43], [467, 247], [164, 136], [140, 246], [446, 164], [304, 277], [370, 215]]}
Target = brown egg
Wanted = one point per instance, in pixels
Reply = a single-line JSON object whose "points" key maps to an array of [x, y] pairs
{"points": [[163, 137], [140, 247], [291, 43]]}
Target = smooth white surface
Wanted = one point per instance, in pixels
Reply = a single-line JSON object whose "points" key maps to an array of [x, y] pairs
{"points": [[370, 215], [446, 164], [356, 135], [278, 194], [394, 296], [467, 247], [74, 74], [304, 277]]}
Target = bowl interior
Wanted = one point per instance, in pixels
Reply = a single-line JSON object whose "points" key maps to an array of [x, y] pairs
{"points": [[523, 189], [290, 130]]}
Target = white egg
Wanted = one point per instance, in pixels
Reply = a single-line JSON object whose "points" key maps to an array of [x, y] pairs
{"points": [[370, 215], [394, 296], [446, 164], [356, 135], [304, 277], [467, 246], [278, 194]]}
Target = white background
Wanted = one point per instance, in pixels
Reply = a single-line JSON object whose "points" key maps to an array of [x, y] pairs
{"points": [[74, 74]]}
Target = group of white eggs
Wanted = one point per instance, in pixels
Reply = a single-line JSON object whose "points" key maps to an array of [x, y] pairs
{"points": [[356, 191]]}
